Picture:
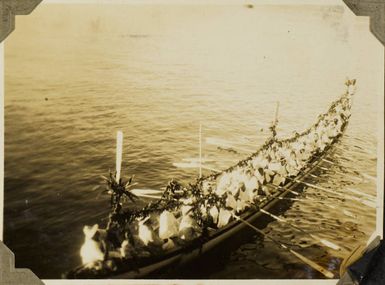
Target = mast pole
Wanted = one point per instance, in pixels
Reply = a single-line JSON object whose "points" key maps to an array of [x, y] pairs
{"points": [[119, 152], [273, 128], [276, 114], [200, 150]]}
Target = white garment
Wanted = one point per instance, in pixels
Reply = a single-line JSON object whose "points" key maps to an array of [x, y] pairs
{"points": [[231, 202], [251, 183], [144, 233], [223, 183], [214, 213], [168, 225], [186, 222], [223, 218]]}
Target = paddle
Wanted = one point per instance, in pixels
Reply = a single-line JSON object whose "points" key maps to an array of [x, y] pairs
{"points": [[197, 159], [281, 188], [193, 165], [315, 237], [309, 262], [365, 202], [361, 150], [226, 145], [370, 197], [364, 175], [346, 212]]}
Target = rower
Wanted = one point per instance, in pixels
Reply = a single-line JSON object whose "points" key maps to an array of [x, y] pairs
{"points": [[224, 217], [291, 166], [333, 131], [207, 186], [313, 142], [258, 173], [251, 183], [268, 173], [188, 227], [223, 183], [168, 228], [259, 161], [303, 156], [279, 177], [144, 232], [231, 202], [351, 86]]}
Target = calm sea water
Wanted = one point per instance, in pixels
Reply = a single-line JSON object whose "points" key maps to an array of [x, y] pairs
{"points": [[75, 74]]}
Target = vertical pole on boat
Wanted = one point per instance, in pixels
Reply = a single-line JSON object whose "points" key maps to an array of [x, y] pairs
{"points": [[200, 150], [276, 113], [273, 127], [119, 151]]}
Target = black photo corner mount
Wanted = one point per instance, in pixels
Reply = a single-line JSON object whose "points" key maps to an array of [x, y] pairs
{"points": [[11, 275], [366, 266], [9, 9]]}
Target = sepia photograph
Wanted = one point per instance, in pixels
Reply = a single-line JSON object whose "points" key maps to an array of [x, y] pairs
{"points": [[186, 140]]}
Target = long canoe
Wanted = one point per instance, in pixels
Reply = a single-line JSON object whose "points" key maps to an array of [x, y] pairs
{"points": [[181, 255]]}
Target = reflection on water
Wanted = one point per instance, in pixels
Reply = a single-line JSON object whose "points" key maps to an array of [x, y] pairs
{"points": [[71, 84]]}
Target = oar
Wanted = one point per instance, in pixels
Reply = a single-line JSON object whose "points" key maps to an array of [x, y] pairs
{"points": [[149, 196], [315, 237], [321, 167], [339, 173], [342, 157], [362, 194], [365, 202], [328, 161], [197, 159], [186, 164], [367, 176], [289, 199], [194, 165], [312, 175], [304, 259], [146, 191], [210, 168], [356, 147], [349, 214], [281, 188], [226, 145], [345, 212]]}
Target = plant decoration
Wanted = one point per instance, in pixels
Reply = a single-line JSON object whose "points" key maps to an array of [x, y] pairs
{"points": [[119, 189], [120, 192], [272, 128]]}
